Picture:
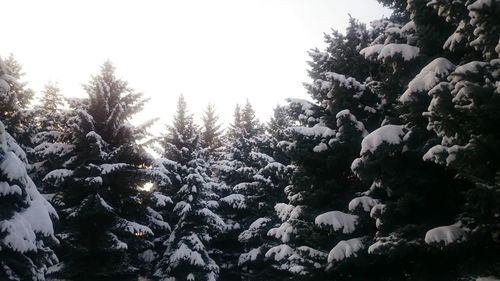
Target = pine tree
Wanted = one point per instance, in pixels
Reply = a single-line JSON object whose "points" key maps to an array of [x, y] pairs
{"points": [[15, 99], [211, 131], [105, 221], [185, 177], [50, 142], [321, 145], [182, 138], [26, 225]]}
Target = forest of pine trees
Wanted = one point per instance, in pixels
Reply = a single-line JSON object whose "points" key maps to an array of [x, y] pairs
{"points": [[390, 171]]}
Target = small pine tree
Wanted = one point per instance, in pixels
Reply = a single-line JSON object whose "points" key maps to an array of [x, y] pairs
{"points": [[182, 138], [211, 130]]}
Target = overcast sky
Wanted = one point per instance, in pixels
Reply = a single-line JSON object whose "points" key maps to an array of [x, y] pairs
{"points": [[219, 51]]}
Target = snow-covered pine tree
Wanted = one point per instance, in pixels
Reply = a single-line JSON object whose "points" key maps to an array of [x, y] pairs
{"points": [[463, 112], [211, 133], [181, 140], [249, 187], [322, 144], [25, 223], [50, 142], [418, 237], [104, 215], [186, 179], [261, 195], [15, 98]]}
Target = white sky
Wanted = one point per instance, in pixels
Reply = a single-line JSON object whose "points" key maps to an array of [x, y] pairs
{"points": [[219, 51]]}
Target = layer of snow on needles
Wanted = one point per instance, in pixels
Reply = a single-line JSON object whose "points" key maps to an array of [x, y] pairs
{"points": [[487, 278], [408, 52], [338, 220], [428, 77], [320, 147], [365, 201], [345, 249], [390, 134], [315, 131], [249, 256], [382, 52], [447, 234]]}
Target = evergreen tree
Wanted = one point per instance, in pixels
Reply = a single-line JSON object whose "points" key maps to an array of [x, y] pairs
{"points": [[321, 145], [51, 147], [186, 179], [211, 131], [181, 140], [15, 99], [104, 215], [25, 222]]}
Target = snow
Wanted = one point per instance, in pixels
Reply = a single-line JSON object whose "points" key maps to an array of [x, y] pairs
{"points": [[133, 227], [184, 253], [20, 229], [345, 249], [447, 234], [457, 37], [109, 168], [472, 67], [297, 269], [365, 201], [249, 256], [315, 131], [390, 134], [311, 252], [211, 217], [58, 175], [338, 220], [235, 200], [279, 252], [12, 167], [479, 5], [39, 211], [7, 189], [345, 82], [117, 244], [161, 200], [148, 256], [408, 52], [409, 26], [428, 77], [346, 114], [377, 210], [283, 232], [19, 235], [283, 210], [371, 51], [487, 278], [320, 147], [4, 86]]}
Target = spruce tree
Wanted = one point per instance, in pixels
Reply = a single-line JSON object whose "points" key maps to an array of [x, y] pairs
{"points": [[15, 98], [51, 145], [211, 130], [182, 137], [105, 221], [26, 225], [321, 145], [185, 177]]}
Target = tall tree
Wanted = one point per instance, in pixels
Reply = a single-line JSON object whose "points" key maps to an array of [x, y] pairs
{"points": [[182, 136], [15, 98], [105, 221], [184, 176], [211, 130]]}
